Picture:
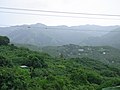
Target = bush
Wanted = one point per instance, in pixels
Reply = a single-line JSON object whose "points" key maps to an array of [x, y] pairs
{"points": [[4, 40], [5, 62]]}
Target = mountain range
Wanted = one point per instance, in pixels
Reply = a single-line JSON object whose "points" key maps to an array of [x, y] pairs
{"points": [[43, 35], [110, 39]]}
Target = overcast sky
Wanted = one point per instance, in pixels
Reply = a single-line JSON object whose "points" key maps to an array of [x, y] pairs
{"points": [[80, 6]]}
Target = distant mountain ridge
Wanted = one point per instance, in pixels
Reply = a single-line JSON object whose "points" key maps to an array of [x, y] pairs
{"points": [[112, 39], [43, 35]]}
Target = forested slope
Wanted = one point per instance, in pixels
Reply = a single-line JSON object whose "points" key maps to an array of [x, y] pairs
{"points": [[22, 69]]}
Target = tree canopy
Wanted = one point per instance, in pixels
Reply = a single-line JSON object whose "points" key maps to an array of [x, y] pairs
{"points": [[4, 40]]}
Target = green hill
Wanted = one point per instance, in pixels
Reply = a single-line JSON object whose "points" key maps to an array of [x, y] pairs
{"points": [[105, 54], [23, 69], [58, 73]]}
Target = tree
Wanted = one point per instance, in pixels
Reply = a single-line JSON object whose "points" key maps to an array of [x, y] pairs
{"points": [[12, 79], [4, 40], [5, 62], [93, 77], [35, 61], [78, 76]]}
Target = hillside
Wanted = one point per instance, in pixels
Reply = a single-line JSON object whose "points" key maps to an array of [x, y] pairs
{"points": [[54, 74], [105, 54], [111, 39], [23, 69]]}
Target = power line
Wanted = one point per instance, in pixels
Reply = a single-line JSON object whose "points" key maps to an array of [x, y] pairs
{"points": [[57, 15], [115, 15]]}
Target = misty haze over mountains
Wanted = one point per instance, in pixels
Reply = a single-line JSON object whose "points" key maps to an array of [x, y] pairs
{"points": [[42, 35]]}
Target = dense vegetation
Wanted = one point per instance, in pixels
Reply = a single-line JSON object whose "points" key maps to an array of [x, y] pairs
{"points": [[4, 40], [105, 54], [23, 69]]}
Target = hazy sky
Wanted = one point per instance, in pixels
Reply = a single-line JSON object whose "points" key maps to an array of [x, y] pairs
{"points": [[80, 6]]}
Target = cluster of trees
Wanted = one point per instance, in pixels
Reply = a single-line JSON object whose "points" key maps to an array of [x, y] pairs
{"points": [[4, 40], [43, 72]]}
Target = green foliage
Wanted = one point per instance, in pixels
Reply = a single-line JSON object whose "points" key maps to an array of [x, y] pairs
{"points": [[94, 78], [35, 61], [49, 73], [12, 79], [4, 62], [4, 40], [105, 54], [79, 77], [110, 83]]}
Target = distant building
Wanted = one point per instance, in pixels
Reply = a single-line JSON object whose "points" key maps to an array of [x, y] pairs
{"points": [[104, 52], [80, 50]]}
